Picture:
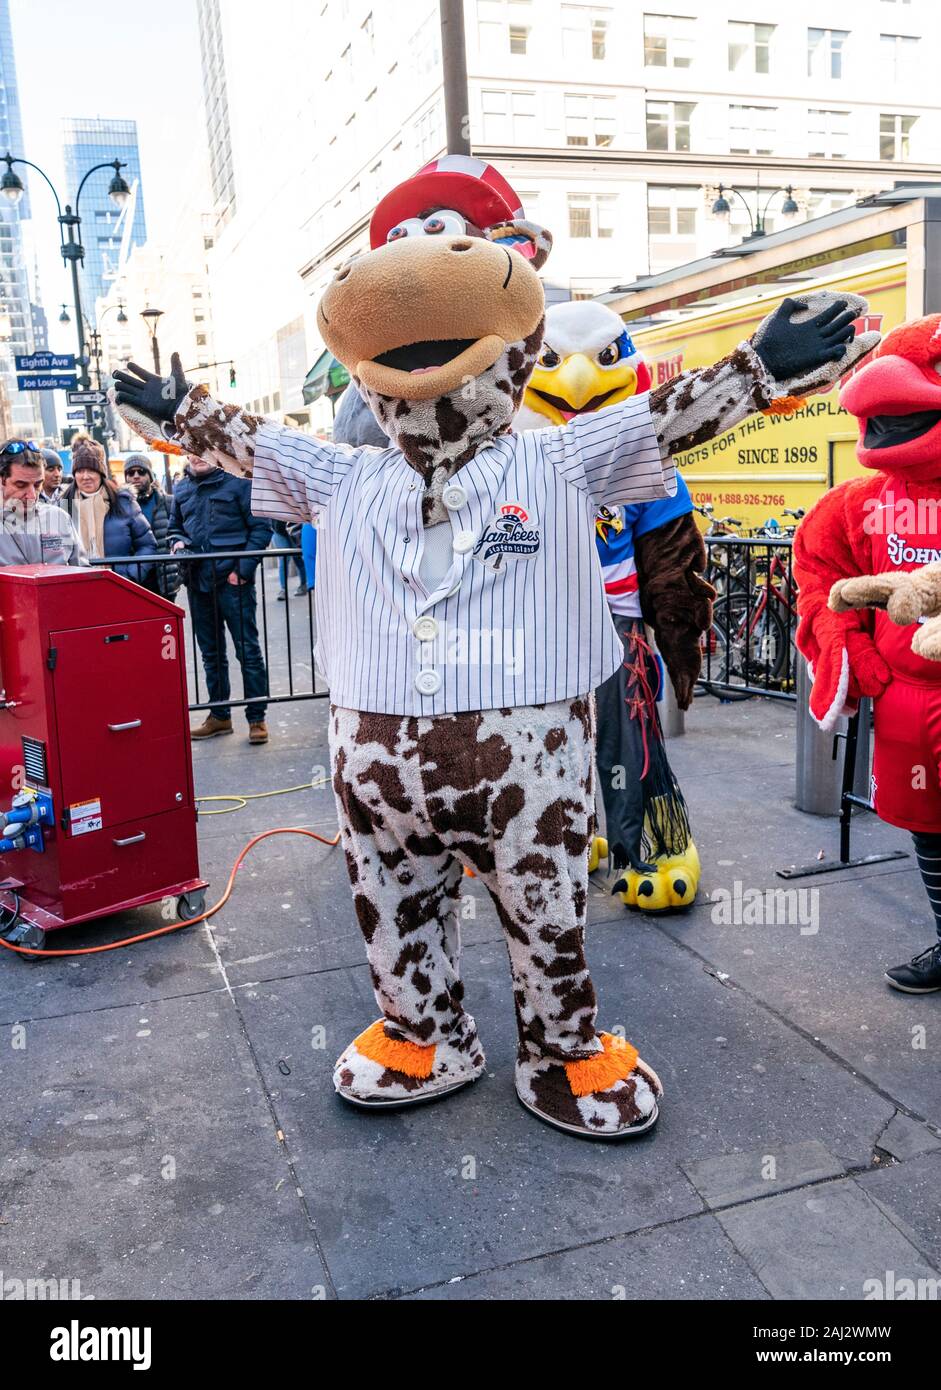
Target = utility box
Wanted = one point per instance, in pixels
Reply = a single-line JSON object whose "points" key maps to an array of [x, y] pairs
{"points": [[94, 731]]}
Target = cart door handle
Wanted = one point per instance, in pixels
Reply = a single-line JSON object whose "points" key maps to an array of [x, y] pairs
{"points": [[131, 840], [131, 724]]}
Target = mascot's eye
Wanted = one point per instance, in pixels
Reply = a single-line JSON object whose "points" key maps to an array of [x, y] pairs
{"points": [[609, 355], [411, 227], [444, 221], [550, 359]]}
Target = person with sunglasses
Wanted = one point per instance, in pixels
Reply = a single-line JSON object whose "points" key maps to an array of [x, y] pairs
{"points": [[155, 505], [107, 517], [31, 534]]}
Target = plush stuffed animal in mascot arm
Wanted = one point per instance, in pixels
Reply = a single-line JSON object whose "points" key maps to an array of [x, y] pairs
{"points": [[444, 756], [652, 558], [875, 542]]}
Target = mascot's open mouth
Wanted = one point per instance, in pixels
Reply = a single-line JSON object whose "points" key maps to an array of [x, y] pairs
{"points": [[425, 357], [568, 411], [886, 431], [424, 371]]}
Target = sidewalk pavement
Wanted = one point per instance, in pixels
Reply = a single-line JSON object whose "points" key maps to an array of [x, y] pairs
{"points": [[170, 1129]]}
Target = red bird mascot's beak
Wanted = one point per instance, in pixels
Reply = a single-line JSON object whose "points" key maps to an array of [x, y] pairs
{"points": [[896, 397]]}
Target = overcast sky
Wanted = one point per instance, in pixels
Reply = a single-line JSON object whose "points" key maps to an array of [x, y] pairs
{"points": [[111, 60]]}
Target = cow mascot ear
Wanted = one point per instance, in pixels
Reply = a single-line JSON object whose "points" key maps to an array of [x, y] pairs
{"points": [[531, 240]]}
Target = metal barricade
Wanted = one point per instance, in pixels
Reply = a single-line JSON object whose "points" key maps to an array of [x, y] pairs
{"points": [[285, 639], [750, 648]]}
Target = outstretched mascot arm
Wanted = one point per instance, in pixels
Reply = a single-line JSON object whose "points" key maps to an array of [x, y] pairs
{"points": [[802, 348], [675, 599], [293, 473], [829, 546]]}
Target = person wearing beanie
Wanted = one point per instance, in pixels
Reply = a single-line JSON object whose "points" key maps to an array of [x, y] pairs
{"points": [[106, 517], [153, 502], [52, 487]]}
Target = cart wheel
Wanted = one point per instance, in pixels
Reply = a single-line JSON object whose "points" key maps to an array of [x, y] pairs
{"points": [[26, 934], [191, 904]]}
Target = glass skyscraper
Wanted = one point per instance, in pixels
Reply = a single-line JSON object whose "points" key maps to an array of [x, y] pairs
{"points": [[87, 143], [18, 410]]}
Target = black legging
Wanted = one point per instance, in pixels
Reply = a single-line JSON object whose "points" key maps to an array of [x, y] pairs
{"points": [[928, 854]]}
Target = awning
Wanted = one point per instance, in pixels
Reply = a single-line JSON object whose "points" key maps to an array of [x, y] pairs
{"points": [[327, 377]]}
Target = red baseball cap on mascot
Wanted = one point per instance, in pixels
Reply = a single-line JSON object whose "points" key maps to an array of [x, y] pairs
{"points": [[476, 190]]}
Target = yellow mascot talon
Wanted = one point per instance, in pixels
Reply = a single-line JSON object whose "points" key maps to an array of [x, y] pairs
{"points": [[673, 885], [598, 850]]}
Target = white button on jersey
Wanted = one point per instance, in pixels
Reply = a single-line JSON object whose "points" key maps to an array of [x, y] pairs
{"points": [[454, 497], [428, 682], [426, 630], [464, 542]]}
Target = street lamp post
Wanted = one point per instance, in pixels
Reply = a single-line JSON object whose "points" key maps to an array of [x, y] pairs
{"points": [[151, 318], [722, 208], [73, 252]]}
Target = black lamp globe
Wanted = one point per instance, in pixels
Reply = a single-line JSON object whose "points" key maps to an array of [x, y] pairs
{"points": [[118, 189], [721, 207], [11, 184]]}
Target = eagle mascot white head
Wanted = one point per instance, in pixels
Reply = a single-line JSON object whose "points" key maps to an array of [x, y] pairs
{"points": [[588, 361]]}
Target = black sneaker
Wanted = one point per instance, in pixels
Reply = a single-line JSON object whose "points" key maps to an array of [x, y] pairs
{"points": [[922, 974], [300, 591]]}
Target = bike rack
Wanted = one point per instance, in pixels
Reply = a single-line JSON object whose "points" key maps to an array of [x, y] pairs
{"points": [[848, 801]]}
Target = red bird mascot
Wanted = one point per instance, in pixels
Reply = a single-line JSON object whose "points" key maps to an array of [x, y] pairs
{"points": [[866, 545]]}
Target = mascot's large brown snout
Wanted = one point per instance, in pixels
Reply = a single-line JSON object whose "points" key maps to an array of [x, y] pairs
{"points": [[377, 315]]}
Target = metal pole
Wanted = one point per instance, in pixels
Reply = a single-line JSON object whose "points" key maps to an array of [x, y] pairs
{"points": [[73, 252], [454, 65], [156, 348]]}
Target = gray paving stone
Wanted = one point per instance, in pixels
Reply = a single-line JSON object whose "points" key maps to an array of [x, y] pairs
{"points": [[742, 1177], [907, 1138], [829, 1243], [690, 1260], [140, 1157], [909, 1194]]}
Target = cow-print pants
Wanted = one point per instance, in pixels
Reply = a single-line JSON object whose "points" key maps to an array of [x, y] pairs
{"points": [[508, 793]]}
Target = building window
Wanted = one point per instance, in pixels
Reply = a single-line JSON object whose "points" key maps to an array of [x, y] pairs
{"points": [[894, 133], [826, 49], [672, 224], [668, 125], [828, 134], [750, 47], [519, 38], [585, 33], [590, 120], [668, 41], [200, 340], [509, 117], [591, 215], [821, 201], [898, 57], [752, 129]]}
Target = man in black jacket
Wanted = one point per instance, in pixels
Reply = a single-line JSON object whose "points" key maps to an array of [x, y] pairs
{"points": [[155, 505], [210, 512]]}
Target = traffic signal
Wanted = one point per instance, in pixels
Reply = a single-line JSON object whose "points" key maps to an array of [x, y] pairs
{"points": [[232, 374]]}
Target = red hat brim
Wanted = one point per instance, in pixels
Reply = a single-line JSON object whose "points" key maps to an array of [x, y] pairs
{"points": [[431, 189]]}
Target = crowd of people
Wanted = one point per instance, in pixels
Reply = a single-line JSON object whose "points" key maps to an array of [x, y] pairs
{"points": [[49, 517]]}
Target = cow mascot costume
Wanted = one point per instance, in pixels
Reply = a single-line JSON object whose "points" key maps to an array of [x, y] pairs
{"points": [[875, 543], [450, 750], [652, 558]]}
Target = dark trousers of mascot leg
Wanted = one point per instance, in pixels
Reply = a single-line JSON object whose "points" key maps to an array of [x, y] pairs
{"points": [[510, 794], [647, 823]]}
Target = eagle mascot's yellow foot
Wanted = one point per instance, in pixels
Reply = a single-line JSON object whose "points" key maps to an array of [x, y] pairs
{"points": [[597, 850], [673, 883]]}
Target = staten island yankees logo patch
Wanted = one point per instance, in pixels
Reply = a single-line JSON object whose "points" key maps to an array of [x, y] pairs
{"points": [[511, 534]]}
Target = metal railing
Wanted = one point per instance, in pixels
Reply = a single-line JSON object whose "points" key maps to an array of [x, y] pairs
{"points": [[286, 639], [750, 648]]}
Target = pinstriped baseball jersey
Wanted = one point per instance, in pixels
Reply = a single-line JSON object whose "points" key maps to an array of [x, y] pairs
{"points": [[520, 618]]}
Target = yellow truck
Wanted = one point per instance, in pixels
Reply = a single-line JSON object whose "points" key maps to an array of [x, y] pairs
{"points": [[770, 462]]}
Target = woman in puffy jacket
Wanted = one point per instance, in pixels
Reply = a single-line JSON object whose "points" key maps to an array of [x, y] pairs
{"points": [[106, 517]]}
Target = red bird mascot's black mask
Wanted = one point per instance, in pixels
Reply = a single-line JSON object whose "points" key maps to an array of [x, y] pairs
{"points": [[896, 397]]}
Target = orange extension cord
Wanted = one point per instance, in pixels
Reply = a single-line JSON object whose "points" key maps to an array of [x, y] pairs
{"points": [[177, 926]]}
